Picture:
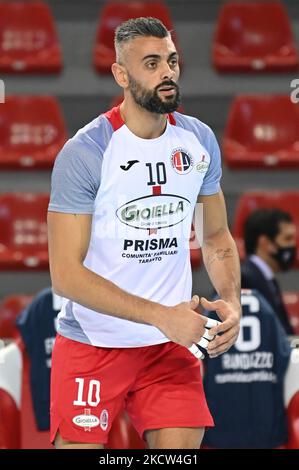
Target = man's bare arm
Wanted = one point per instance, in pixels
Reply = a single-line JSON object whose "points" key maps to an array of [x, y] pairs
{"points": [[69, 237], [223, 266], [219, 249]]}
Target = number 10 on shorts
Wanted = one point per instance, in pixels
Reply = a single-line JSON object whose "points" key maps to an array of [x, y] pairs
{"points": [[93, 396]]}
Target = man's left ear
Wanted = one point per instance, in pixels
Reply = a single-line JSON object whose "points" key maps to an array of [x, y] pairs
{"points": [[120, 75]]}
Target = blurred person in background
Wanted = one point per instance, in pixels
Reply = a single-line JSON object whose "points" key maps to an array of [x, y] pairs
{"points": [[245, 386], [270, 244]]}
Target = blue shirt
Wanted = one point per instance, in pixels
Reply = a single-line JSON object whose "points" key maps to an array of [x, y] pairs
{"points": [[244, 387]]}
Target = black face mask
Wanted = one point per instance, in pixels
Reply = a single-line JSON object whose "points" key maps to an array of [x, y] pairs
{"points": [[285, 256]]}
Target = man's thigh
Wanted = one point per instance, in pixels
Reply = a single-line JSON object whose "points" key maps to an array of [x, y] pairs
{"points": [[174, 438], [168, 397], [60, 443]]}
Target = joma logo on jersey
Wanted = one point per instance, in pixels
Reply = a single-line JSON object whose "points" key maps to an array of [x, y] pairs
{"points": [[154, 212], [181, 161]]}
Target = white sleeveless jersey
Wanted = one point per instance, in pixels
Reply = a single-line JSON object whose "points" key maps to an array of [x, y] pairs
{"points": [[141, 194]]}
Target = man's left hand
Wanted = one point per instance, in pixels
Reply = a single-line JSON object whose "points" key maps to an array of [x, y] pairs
{"points": [[230, 315]]}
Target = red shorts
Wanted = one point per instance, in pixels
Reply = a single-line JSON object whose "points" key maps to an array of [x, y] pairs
{"points": [[159, 386]]}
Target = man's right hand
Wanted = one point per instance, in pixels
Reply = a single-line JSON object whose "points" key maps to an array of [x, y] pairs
{"points": [[181, 324]]}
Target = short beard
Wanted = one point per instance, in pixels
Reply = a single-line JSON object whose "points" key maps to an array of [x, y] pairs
{"points": [[149, 99]]}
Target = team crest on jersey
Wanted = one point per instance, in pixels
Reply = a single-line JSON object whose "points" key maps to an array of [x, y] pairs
{"points": [[181, 161]]}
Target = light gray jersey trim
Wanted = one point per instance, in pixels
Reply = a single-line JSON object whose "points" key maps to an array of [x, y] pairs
{"points": [[76, 175], [69, 327]]}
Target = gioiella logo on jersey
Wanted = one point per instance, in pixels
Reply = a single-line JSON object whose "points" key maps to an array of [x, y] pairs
{"points": [[203, 165], [154, 211], [181, 161]]}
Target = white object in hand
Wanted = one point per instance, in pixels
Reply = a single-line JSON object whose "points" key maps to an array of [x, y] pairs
{"points": [[204, 340]]}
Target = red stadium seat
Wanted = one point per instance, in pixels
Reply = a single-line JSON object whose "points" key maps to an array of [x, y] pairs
{"points": [[291, 301], [10, 396], [17, 424], [262, 131], [10, 307], [285, 200], [32, 131], [23, 235], [9, 423], [254, 36], [114, 13], [28, 39], [293, 420], [291, 399]]}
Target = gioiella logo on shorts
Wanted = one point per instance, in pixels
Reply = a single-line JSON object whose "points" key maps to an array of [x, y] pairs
{"points": [[86, 420]]}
